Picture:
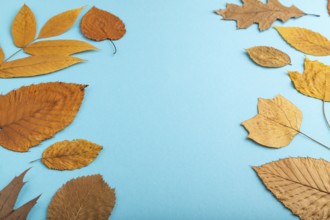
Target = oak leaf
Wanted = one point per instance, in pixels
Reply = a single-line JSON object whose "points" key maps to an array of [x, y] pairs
{"points": [[2, 55], [87, 197], [36, 65], [301, 184], [276, 123], [268, 56], [24, 27], [59, 47], [8, 197], [34, 113], [305, 40], [70, 155], [254, 11]]}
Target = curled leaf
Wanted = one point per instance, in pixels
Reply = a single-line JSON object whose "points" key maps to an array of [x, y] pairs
{"points": [[34, 113], [268, 56], [2, 55]]}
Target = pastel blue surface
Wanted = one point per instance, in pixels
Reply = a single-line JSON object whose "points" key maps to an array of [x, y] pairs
{"points": [[167, 108]]}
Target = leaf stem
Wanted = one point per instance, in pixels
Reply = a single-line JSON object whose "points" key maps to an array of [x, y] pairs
{"points": [[35, 160], [13, 55], [113, 44], [324, 113], [323, 145], [315, 15]]}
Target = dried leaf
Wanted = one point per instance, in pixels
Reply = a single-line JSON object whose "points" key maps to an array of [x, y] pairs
{"points": [[305, 40], [70, 155], [329, 6], [8, 197], [268, 56], [2, 55], [34, 113], [301, 184], [254, 11], [24, 27], [36, 65], [276, 124], [59, 47], [87, 197], [60, 23]]}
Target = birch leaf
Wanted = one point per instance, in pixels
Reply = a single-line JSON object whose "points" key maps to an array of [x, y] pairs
{"points": [[268, 56], [24, 27], [36, 65], [276, 123], [255, 11], [87, 197], [2, 55], [34, 113], [59, 47], [305, 40], [70, 155], [301, 184], [60, 23]]}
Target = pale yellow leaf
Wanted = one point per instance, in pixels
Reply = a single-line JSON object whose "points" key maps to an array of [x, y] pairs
{"points": [[268, 56]]}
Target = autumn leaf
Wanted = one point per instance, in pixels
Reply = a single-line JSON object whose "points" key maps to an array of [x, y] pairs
{"points": [[305, 40], [34, 113], [254, 11], [36, 65], [8, 197], [301, 184], [24, 27], [268, 56], [2, 55], [329, 6], [59, 47], [70, 155], [60, 23], [87, 197]]}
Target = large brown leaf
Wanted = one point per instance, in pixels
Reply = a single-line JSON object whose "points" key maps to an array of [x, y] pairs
{"points": [[87, 197], [34, 113]]}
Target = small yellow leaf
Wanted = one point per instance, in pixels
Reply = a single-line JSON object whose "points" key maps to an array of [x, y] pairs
{"points": [[2, 55], [305, 40], [268, 56], [59, 47], [59, 23], [70, 155], [36, 65], [24, 27]]}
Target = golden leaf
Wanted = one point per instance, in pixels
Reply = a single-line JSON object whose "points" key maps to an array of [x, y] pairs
{"points": [[254, 11], [87, 197], [70, 155], [36, 65], [268, 56], [276, 124], [301, 184], [305, 40], [24, 27], [2, 55], [315, 81], [60, 23], [59, 47], [34, 113]]}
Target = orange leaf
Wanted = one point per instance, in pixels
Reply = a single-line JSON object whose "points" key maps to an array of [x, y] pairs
{"points": [[2, 55]]}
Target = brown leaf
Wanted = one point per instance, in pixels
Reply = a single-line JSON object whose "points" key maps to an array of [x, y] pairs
{"points": [[87, 197], [59, 47], [301, 184], [8, 197], [24, 27], [60, 23], [254, 11], [329, 6], [36, 65], [34, 113], [2, 55], [276, 124], [70, 155], [268, 56]]}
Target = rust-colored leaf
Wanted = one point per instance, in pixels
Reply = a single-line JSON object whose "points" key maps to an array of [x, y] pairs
{"points": [[87, 197], [2, 55], [34, 113]]}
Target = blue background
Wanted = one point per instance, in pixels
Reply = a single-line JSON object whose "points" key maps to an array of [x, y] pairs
{"points": [[167, 108]]}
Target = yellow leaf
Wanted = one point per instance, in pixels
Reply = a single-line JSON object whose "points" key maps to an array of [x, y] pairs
{"points": [[34, 113], [70, 155], [301, 184], [315, 81], [2, 55], [60, 23], [306, 41], [59, 47], [276, 124], [36, 65], [268, 56], [24, 27]]}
